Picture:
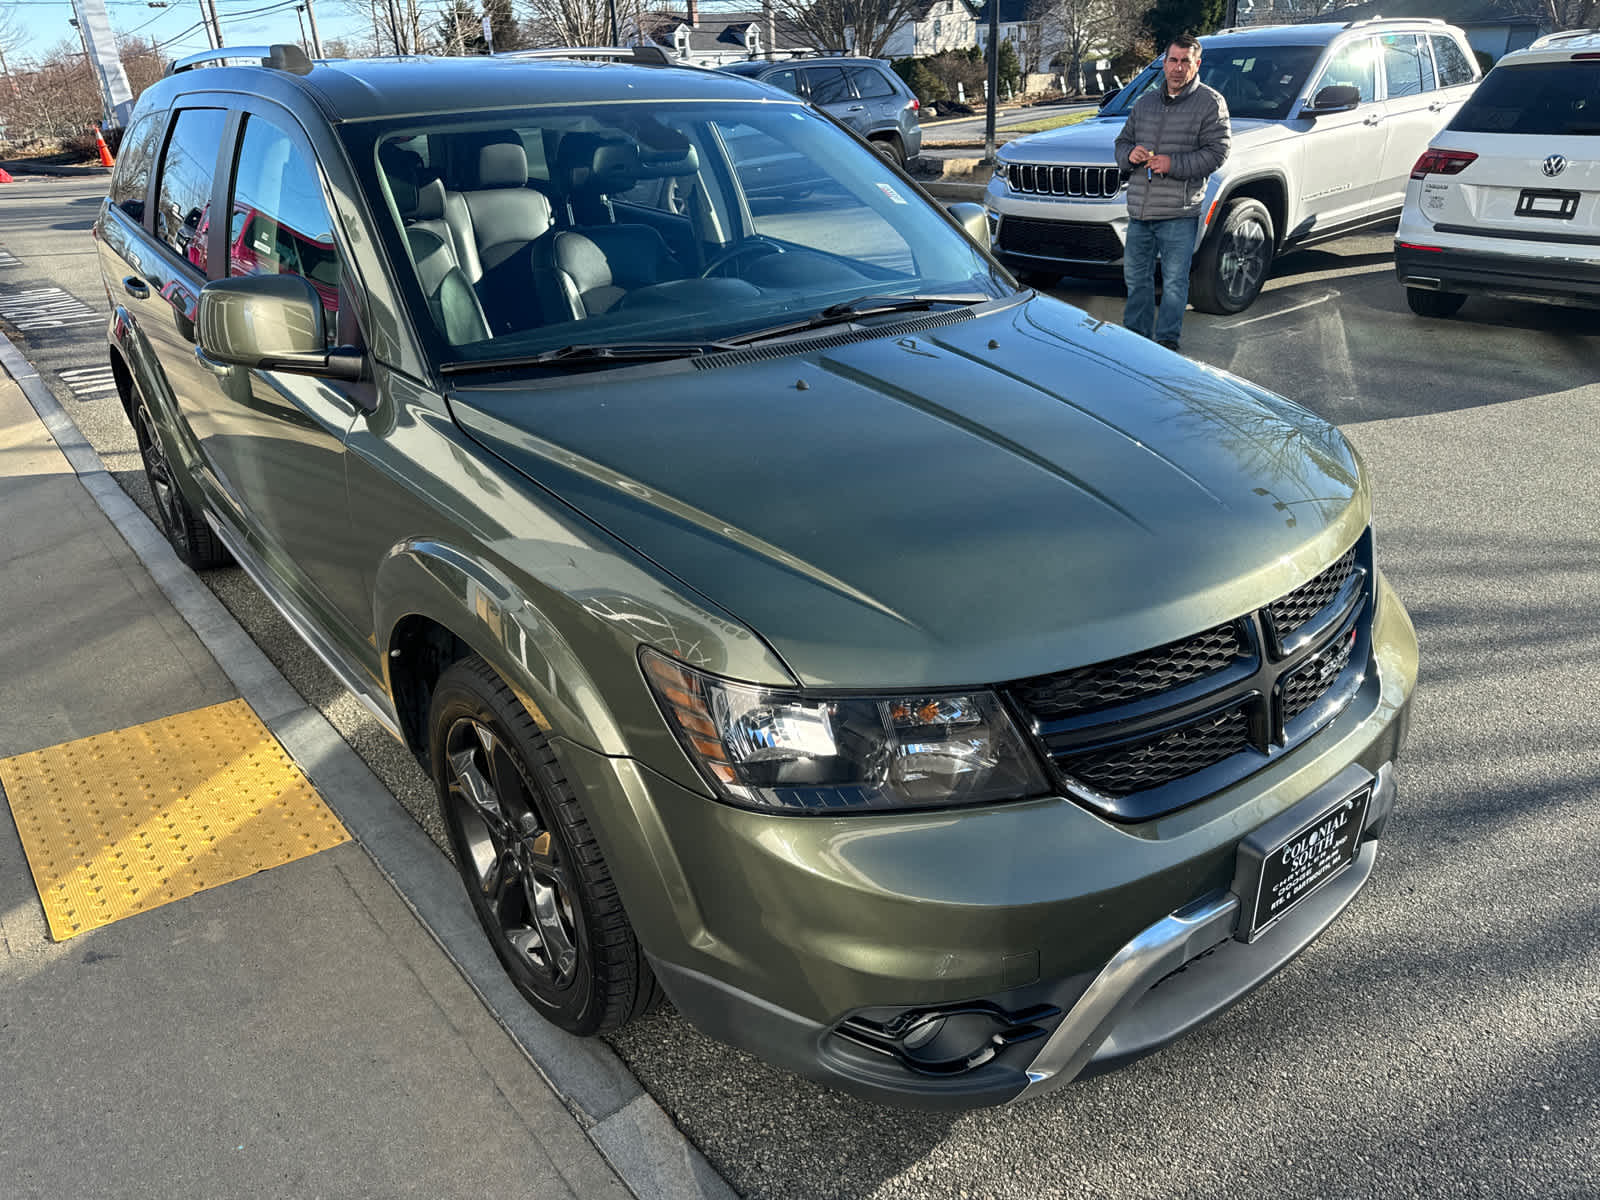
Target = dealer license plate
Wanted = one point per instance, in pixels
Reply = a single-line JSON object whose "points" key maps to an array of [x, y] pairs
{"points": [[1538, 202], [1275, 875]]}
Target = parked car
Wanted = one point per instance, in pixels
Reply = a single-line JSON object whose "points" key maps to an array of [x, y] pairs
{"points": [[902, 671], [1327, 120], [1506, 200], [863, 93]]}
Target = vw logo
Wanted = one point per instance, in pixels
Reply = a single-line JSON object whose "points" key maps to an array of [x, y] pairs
{"points": [[1554, 165]]}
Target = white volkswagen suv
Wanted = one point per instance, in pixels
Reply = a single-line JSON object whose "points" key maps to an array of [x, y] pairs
{"points": [[1327, 120], [1506, 200]]}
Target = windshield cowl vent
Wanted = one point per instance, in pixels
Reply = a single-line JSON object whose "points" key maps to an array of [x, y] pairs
{"points": [[806, 345]]}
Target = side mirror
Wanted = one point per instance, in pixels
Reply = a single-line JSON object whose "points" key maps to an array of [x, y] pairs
{"points": [[973, 218], [270, 323], [1335, 98], [1109, 97]]}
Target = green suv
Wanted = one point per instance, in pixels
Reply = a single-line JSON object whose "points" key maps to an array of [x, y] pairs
{"points": [[926, 686]]}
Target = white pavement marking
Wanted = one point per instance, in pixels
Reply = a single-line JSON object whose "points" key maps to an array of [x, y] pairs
{"points": [[1322, 299], [46, 308], [89, 381], [8, 259]]}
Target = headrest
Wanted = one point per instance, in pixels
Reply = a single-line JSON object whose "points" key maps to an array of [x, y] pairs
{"points": [[502, 164], [592, 162], [430, 201], [405, 196]]}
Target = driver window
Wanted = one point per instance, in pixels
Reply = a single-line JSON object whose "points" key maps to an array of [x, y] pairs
{"points": [[279, 222], [1354, 67]]}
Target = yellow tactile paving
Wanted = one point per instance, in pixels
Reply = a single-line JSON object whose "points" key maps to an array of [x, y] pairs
{"points": [[124, 822]]}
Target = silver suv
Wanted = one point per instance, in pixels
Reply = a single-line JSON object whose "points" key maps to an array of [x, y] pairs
{"points": [[863, 93], [1327, 122]]}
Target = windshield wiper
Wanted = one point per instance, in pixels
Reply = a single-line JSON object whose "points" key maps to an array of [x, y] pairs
{"points": [[589, 352], [854, 310]]}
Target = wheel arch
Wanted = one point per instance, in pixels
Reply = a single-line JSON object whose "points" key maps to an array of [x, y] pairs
{"points": [[1270, 190]]}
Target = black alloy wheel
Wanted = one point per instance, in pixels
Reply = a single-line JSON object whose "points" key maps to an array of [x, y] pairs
{"points": [[1427, 303], [195, 541], [532, 868], [1232, 264]]}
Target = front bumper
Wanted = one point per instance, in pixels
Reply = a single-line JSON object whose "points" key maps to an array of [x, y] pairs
{"points": [[1068, 234], [1038, 927]]}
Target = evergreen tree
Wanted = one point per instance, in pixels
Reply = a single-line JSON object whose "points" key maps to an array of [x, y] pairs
{"points": [[1169, 18]]}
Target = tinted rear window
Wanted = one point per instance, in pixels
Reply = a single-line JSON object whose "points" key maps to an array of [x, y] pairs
{"points": [[1539, 98]]}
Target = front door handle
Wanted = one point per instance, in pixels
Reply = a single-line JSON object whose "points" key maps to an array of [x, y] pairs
{"points": [[136, 287]]}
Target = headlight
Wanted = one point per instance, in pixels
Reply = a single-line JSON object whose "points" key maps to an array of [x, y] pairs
{"points": [[790, 752]]}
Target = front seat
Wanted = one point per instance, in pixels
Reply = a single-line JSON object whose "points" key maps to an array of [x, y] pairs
{"points": [[590, 169]]}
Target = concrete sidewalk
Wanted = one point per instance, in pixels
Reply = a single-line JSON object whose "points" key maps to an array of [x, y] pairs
{"points": [[333, 1026]]}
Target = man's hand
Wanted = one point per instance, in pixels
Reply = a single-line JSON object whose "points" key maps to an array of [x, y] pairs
{"points": [[1159, 164], [1138, 156]]}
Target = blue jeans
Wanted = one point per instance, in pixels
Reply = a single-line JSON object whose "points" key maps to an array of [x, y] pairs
{"points": [[1173, 242]]}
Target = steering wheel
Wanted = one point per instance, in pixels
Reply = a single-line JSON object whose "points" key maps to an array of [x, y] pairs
{"points": [[754, 246]]}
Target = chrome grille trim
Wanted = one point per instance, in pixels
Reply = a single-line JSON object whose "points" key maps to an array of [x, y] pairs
{"points": [[1074, 182]]}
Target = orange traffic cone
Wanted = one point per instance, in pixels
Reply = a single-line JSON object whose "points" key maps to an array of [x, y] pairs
{"points": [[5, 176], [100, 145]]}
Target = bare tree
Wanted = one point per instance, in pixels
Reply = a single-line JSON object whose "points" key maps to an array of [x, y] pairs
{"points": [[863, 26], [1076, 32], [397, 26], [1572, 14], [582, 22]]}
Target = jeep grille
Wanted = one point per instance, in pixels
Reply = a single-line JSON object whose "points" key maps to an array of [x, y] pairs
{"points": [[1044, 179]]}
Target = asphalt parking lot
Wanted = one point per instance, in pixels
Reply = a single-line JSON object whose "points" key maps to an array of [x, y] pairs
{"points": [[1444, 1036]]}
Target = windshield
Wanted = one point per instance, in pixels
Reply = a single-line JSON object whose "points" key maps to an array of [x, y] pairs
{"points": [[1548, 98], [662, 227], [1258, 82]]}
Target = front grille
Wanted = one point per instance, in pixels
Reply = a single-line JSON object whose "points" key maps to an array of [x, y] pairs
{"points": [[1311, 597], [1076, 240], [1312, 681], [1183, 751], [1047, 179], [1141, 735], [1122, 680]]}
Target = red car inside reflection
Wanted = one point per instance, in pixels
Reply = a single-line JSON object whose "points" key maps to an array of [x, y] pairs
{"points": [[261, 245]]}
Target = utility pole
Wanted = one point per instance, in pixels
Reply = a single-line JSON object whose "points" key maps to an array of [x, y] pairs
{"points": [[770, 20], [994, 83], [394, 26], [208, 17], [311, 19]]}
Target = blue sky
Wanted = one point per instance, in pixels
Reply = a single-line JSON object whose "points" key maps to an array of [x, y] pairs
{"points": [[43, 23]]}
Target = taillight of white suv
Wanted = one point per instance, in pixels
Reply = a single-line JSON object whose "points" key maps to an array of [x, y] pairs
{"points": [[1442, 162]]}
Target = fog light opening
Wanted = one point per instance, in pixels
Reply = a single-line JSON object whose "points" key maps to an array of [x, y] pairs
{"points": [[949, 1040]]}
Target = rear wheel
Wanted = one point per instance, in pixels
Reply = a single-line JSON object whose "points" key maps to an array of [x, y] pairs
{"points": [[195, 541], [1434, 304], [891, 149], [1231, 265], [532, 867]]}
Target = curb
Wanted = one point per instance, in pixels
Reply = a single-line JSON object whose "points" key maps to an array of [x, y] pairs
{"points": [[29, 166], [651, 1156]]}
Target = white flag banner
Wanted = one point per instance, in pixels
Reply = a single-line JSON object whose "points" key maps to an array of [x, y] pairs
{"points": [[105, 60]]}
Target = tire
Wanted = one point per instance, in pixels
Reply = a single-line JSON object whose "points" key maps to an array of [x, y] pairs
{"points": [[554, 918], [1232, 264], [1426, 303], [195, 541], [891, 149]]}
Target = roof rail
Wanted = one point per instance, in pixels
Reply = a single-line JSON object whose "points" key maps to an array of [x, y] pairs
{"points": [[280, 56], [1394, 21], [645, 56]]}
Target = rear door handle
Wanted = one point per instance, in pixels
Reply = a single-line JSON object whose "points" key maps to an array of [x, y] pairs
{"points": [[136, 287]]}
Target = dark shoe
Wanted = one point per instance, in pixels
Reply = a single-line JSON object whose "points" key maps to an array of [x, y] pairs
{"points": [[1170, 344]]}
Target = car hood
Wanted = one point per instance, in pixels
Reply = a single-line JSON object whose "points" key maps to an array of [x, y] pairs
{"points": [[979, 500], [1093, 141]]}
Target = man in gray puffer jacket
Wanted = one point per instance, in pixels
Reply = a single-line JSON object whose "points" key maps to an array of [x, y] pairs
{"points": [[1174, 138]]}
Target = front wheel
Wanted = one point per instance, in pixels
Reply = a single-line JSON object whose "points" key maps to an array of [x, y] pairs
{"points": [[1434, 304], [1231, 265], [195, 541], [532, 867]]}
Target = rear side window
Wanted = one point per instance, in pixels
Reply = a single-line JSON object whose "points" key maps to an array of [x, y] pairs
{"points": [[136, 158], [1453, 66], [870, 83], [1407, 64], [785, 80], [279, 222], [1538, 98], [184, 193], [828, 85]]}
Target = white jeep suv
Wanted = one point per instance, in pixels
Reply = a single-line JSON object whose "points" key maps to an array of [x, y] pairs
{"points": [[1327, 122], [1507, 198]]}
